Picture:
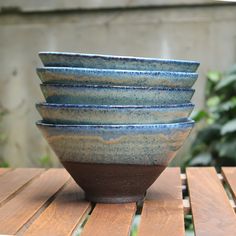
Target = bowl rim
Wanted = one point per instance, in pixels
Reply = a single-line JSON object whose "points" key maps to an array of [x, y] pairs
{"points": [[94, 106], [57, 69], [116, 57], [158, 88], [184, 124]]}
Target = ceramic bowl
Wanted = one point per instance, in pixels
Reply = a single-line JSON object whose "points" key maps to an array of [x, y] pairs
{"points": [[115, 163], [64, 59], [66, 75], [115, 95], [111, 114]]}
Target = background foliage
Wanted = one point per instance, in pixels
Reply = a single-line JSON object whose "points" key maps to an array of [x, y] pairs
{"points": [[215, 142]]}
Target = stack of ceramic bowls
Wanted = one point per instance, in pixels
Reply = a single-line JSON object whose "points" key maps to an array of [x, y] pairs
{"points": [[115, 122]]}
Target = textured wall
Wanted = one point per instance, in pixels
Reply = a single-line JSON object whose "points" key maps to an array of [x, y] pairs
{"points": [[205, 33]]}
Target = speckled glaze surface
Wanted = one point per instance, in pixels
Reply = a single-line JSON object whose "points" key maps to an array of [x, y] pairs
{"points": [[108, 114], [64, 59], [115, 95], [152, 144], [66, 75]]}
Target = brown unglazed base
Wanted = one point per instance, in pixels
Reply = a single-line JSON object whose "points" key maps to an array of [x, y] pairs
{"points": [[113, 183]]}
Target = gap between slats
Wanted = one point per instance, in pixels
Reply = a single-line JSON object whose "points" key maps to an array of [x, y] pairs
{"points": [[162, 212], [37, 214], [186, 203], [229, 174], [211, 210], [14, 221], [110, 219], [67, 210], [13, 182]]}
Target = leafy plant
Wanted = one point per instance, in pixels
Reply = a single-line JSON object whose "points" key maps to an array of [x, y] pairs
{"points": [[215, 143], [45, 161], [4, 164]]}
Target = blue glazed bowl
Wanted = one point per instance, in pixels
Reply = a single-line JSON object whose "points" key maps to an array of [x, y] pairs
{"points": [[111, 114], [92, 76], [64, 59], [149, 144], [115, 95], [115, 163]]}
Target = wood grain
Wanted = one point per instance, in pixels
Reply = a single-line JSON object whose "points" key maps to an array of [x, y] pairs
{"points": [[63, 214], [229, 174], [163, 212], [110, 219], [15, 180], [211, 209], [20, 209], [4, 170]]}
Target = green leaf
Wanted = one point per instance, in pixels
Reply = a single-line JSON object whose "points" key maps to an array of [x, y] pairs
{"points": [[226, 82], [210, 120], [213, 101], [232, 70], [214, 76], [207, 135], [198, 116], [226, 106], [228, 127], [227, 148], [45, 161], [4, 164], [201, 159]]}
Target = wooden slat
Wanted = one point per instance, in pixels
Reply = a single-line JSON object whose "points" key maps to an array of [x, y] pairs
{"points": [[4, 170], [19, 210], [187, 208], [13, 181], [184, 178], [229, 174], [163, 212], [110, 219], [211, 209], [63, 214]]}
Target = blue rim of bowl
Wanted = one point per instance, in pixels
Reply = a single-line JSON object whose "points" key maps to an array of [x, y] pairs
{"points": [[90, 106], [185, 124], [117, 87], [127, 58], [54, 69]]}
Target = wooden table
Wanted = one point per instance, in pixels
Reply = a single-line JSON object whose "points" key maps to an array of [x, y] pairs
{"points": [[48, 202]]}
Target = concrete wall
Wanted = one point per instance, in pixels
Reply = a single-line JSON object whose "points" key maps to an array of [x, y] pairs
{"points": [[202, 31]]}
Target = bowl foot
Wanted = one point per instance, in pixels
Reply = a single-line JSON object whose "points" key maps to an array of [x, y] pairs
{"points": [[114, 199]]}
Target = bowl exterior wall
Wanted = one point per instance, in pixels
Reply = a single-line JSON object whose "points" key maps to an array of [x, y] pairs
{"points": [[85, 76], [141, 144], [114, 95], [60, 114], [112, 183]]}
